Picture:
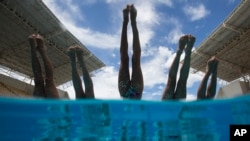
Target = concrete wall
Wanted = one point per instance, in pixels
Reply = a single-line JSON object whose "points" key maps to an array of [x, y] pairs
{"points": [[236, 88], [16, 88]]}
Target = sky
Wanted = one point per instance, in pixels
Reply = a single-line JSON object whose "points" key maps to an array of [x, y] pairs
{"points": [[97, 24]]}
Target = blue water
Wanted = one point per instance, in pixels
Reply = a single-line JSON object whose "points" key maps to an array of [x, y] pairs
{"points": [[111, 120]]}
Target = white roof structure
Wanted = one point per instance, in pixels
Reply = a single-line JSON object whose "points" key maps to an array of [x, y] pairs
{"points": [[21, 18], [230, 43], [11, 87]]}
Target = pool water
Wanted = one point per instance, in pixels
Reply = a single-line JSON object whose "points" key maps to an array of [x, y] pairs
{"points": [[111, 120]]}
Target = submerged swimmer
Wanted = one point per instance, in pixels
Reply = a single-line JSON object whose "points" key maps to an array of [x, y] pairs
{"points": [[44, 87], [186, 43], [77, 52], [130, 88]]}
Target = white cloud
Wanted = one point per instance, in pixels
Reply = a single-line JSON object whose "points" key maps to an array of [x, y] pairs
{"points": [[147, 19], [94, 38], [196, 12], [168, 3], [88, 2], [193, 78], [231, 1], [86, 35], [174, 35], [155, 68], [147, 14], [105, 83], [176, 32], [72, 10]]}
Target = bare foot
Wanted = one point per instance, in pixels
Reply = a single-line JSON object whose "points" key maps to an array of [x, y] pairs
{"points": [[133, 13], [182, 42], [32, 41], [125, 14], [190, 43], [71, 52], [79, 54], [216, 62], [79, 50], [40, 43], [210, 64]]}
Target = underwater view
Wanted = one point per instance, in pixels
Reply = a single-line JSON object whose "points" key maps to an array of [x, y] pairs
{"points": [[111, 120]]}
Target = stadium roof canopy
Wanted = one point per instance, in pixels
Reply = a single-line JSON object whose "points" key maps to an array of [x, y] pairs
{"points": [[230, 43], [21, 18]]}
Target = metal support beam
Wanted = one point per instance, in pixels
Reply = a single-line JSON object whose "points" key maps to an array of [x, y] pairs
{"points": [[220, 60], [53, 34], [233, 28]]}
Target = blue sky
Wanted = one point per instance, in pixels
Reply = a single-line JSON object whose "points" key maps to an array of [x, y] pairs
{"points": [[97, 24]]}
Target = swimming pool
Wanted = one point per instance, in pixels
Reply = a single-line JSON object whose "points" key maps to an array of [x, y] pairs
{"points": [[111, 120]]}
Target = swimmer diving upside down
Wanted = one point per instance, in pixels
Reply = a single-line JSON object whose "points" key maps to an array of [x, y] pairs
{"points": [[76, 52], [44, 87], [130, 88], [172, 91]]}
